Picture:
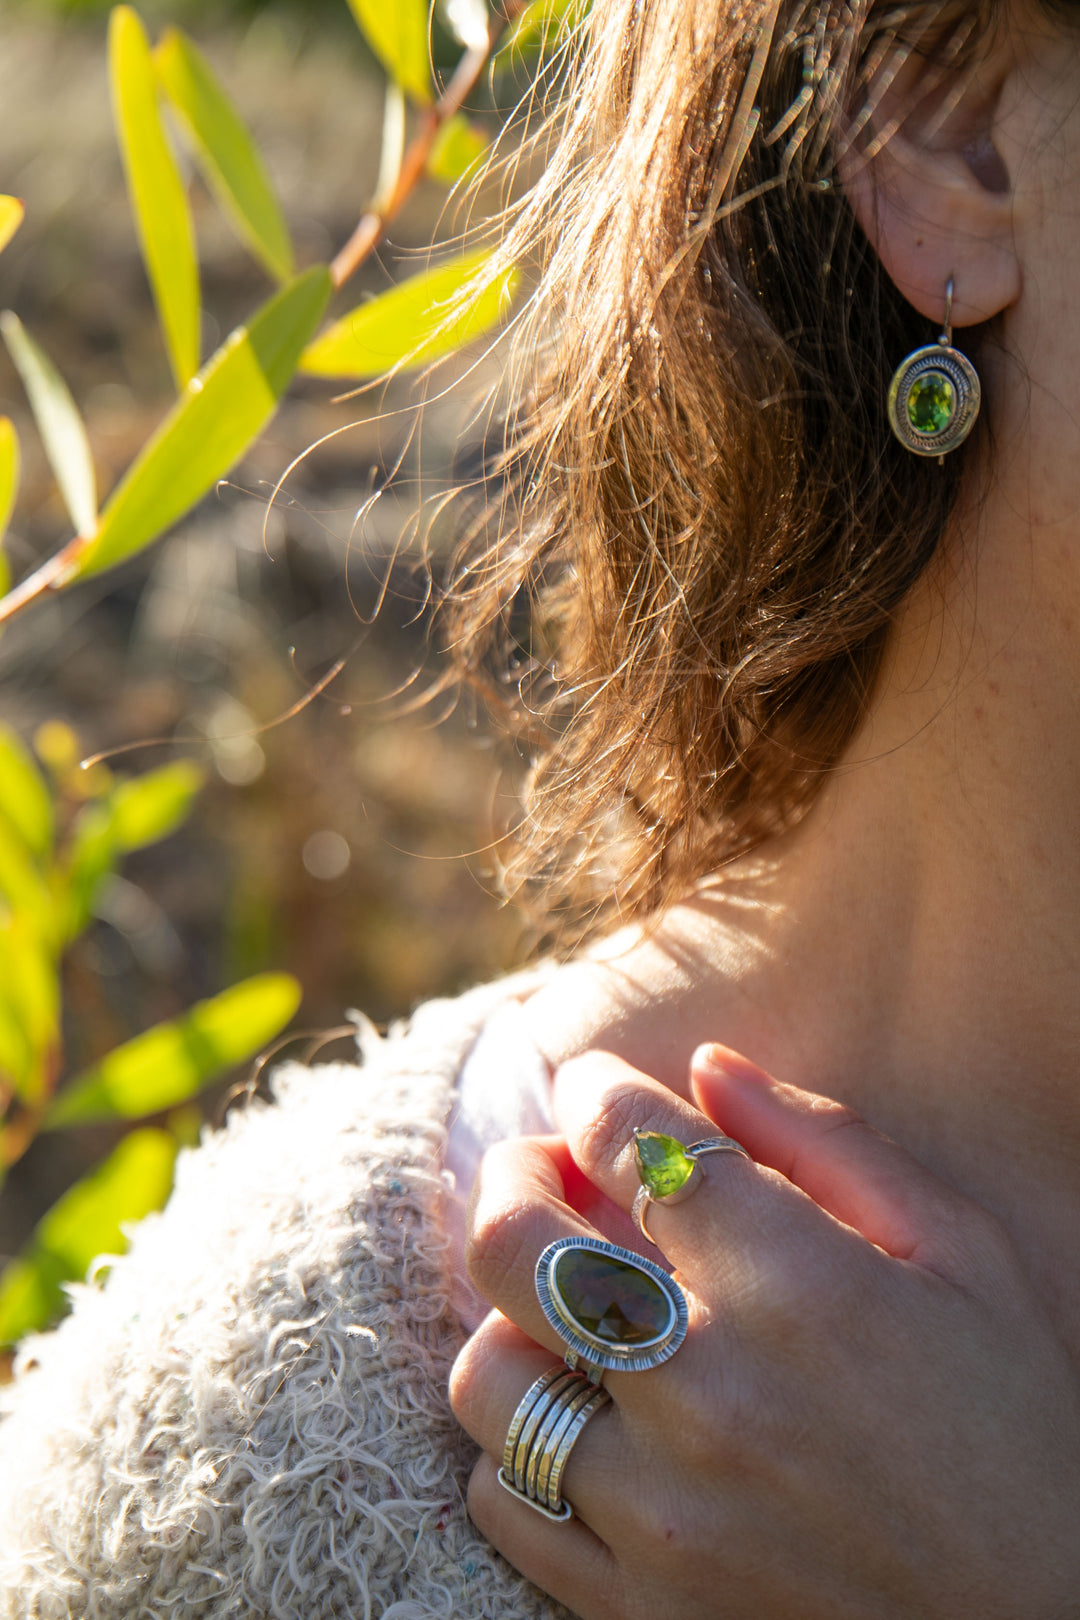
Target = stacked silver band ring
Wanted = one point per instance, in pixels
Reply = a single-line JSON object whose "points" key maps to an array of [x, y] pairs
{"points": [[664, 1163], [549, 1418]]}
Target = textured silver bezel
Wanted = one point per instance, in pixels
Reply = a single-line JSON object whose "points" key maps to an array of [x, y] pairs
{"points": [[965, 380], [598, 1352]]}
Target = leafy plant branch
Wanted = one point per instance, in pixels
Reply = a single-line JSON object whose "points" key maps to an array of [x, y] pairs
{"points": [[222, 408]]}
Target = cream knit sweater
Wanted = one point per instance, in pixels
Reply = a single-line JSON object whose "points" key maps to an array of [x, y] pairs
{"points": [[249, 1417]]}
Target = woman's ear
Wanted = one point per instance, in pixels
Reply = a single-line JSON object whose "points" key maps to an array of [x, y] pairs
{"points": [[926, 182]]}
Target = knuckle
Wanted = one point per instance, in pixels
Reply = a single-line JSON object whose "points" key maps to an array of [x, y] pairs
{"points": [[836, 1116], [830, 1119], [734, 1427], [480, 1497], [459, 1387], [469, 1377], [608, 1132], [708, 1439], [720, 1412], [499, 1242], [973, 1242]]}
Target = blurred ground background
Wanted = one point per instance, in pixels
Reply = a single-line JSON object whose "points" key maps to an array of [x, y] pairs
{"points": [[336, 845]]}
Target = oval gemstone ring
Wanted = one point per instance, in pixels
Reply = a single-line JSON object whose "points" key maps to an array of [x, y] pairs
{"points": [[612, 1308], [669, 1172]]}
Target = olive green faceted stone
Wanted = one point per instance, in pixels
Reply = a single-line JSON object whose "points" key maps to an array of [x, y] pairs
{"points": [[931, 402], [663, 1163], [609, 1298]]}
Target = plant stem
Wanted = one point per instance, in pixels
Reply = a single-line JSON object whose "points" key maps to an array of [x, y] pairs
{"points": [[369, 232], [42, 579]]}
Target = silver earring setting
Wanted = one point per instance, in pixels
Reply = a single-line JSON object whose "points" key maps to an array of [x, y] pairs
{"points": [[935, 394]]}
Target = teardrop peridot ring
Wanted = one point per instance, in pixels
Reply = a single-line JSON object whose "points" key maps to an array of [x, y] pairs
{"points": [[670, 1172]]}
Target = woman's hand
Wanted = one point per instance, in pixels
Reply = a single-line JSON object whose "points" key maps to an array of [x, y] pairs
{"points": [[871, 1415]]}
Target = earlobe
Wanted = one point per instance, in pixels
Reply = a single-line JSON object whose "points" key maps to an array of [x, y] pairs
{"points": [[935, 200]]}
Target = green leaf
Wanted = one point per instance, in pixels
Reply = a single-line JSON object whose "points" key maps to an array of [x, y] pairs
{"points": [[21, 883], [456, 149], [540, 26], [90, 857], [59, 423], [30, 998], [397, 31], [158, 197], [16, 1057], [148, 808], [86, 1222], [413, 324], [24, 795], [225, 151], [216, 418], [134, 813], [392, 149], [171, 1062], [9, 484], [11, 217]]}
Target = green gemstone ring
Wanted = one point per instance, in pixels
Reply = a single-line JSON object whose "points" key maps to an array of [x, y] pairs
{"points": [[614, 1310], [669, 1172]]}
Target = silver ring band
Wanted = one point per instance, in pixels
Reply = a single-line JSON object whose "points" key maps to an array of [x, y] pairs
{"points": [[546, 1423], [715, 1144], [548, 1435], [527, 1418], [584, 1412]]}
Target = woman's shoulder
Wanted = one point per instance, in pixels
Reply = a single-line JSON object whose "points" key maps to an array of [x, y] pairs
{"points": [[249, 1414], [652, 992]]}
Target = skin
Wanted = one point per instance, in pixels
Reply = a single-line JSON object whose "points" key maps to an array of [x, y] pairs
{"points": [[877, 1407]]}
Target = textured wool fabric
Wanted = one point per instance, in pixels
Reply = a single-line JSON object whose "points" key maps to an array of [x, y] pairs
{"points": [[249, 1417]]}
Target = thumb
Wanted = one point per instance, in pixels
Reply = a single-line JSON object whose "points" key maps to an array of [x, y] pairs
{"points": [[846, 1166]]}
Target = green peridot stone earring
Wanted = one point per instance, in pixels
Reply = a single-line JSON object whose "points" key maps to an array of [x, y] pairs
{"points": [[935, 394]]}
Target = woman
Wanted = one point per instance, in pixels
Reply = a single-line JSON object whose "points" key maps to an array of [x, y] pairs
{"points": [[812, 619], [819, 749]]}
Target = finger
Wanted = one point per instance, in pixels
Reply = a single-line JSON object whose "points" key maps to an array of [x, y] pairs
{"points": [[492, 1373], [737, 1218], [845, 1165], [516, 1212], [517, 1209], [568, 1561]]}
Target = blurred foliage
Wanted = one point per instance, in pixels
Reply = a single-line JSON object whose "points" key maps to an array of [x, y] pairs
{"points": [[64, 831], [222, 407], [195, 10], [62, 838]]}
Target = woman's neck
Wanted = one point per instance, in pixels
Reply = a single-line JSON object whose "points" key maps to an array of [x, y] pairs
{"points": [[913, 947]]}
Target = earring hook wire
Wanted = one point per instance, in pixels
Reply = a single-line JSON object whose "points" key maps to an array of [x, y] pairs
{"points": [[946, 336]]}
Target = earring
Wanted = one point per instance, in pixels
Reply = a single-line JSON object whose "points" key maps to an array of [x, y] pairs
{"points": [[935, 394]]}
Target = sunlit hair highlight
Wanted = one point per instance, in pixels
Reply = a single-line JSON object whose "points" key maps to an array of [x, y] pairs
{"points": [[709, 525]]}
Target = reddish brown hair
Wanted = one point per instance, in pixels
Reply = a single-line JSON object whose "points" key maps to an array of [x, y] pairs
{"points": [[713, 524]]}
